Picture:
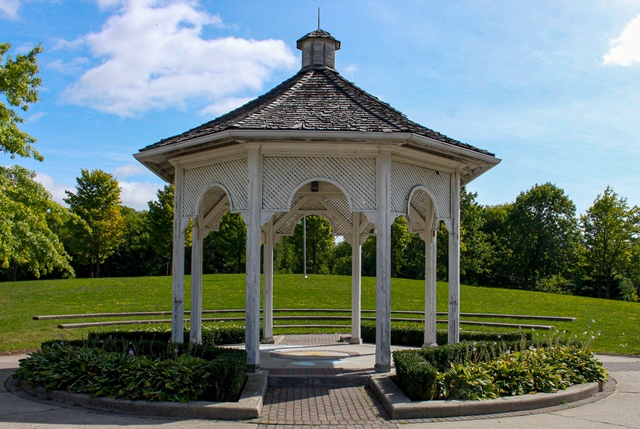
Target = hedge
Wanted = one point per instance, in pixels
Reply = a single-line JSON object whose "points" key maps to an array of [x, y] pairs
{"points": [[412, 335], [211, 334]]}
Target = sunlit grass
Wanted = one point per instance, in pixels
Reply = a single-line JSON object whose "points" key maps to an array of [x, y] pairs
{"points": [[617, 322]]}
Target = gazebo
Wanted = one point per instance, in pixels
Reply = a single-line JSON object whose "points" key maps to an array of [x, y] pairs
{"points": [[316, 144]]}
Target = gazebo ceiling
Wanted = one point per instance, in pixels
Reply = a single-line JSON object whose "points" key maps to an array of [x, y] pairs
{"points": [[318, 105]]}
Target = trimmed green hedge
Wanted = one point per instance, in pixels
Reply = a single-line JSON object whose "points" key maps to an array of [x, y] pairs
{"points": [[144, 369], [211, 334], [489, 370], [412, 335]]}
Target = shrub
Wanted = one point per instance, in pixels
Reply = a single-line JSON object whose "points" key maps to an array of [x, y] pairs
{"points": [[511, 373], [146, 369], [413, 335], [212, 334]]}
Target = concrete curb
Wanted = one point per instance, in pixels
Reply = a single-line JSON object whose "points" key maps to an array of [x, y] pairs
{"points": [[400, 406], [249, 406]]}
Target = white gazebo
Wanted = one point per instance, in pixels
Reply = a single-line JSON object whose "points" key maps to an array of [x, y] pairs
{"points": [[316, 144]]}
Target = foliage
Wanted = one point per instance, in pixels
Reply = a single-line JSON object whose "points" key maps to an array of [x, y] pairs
{"points": [[411, 334], [212, 334], [127, 375], [19, 83], [225, 249], [28, 219], [543, 235], [610, 230], [400, 239], [97, 203], [319, 243], [498, 371]]}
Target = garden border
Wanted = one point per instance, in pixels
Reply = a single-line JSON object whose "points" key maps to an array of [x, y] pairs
{"points": [[400, 406], [249, 406]]}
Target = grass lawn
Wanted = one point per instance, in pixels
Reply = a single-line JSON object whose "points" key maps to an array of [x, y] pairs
{"points": [[618, 322]]}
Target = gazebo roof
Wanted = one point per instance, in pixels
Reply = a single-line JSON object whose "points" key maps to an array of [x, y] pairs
{"points": [[315, 99]]}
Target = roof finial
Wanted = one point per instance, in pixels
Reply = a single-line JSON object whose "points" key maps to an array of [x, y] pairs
{"points": [[318, 18]]}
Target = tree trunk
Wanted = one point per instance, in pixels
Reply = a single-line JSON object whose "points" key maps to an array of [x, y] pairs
{"points": [[96, 273], [14, 271]]}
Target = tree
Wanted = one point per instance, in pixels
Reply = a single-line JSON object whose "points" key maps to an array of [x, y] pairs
{"points": [[97, 203], [319, 243], [400, 239], [610, 230], [160, 225], [543, 235], [28, 216], [19, 83], [225, 249]]}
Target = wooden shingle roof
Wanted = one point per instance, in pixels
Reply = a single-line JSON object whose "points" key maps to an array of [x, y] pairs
{"points": [[316, 99]]}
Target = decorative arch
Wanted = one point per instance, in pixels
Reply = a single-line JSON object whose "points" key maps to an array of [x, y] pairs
{"points": [[421, 207], [213, 205]]}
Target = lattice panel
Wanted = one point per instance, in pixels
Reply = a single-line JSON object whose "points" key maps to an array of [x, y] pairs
{"points": [[420, 202], [405, 177], [341, 205], [211, 199], [233, 175], [214, 223], [357, 176], [289, 225], [313, 204]]}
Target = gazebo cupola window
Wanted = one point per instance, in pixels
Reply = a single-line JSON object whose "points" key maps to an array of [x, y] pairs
{"points": [[318, 50]]}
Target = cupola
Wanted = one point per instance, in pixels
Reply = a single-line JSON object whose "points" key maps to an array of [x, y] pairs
{"points": [[318, 50]]}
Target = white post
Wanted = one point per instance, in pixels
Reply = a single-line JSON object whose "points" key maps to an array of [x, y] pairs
{"points": [[177, 325], [430, 254], [383, 262], [196, 280], [252, 334], [454, 261], [304, 246], [356, 279], [267, 315]]}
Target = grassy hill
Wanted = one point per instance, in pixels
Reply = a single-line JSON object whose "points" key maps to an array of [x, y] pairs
{"points": [[618, 322]]}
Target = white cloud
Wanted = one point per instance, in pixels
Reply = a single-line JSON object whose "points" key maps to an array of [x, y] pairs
{"points": [[154, 58], [56, 189], [69, 67], [350, 70], [9, 8], [131, 170], [137, 194], [224, 106], [625, 50], [35, 117]]}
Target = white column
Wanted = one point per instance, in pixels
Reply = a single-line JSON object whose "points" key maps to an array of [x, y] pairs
{"points": [[383, 262], [267, 312], [196, 280], [430, 254], [252, 219], [177, 323], [356, 279], [454, 261]]}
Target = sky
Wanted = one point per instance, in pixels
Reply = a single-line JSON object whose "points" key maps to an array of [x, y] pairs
{"points": [[550, 87]]}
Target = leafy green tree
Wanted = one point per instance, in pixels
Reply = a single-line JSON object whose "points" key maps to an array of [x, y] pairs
{"points": [[28, 219], [19, 83], [496, 230], [341, 260], [319, 243], [97, 203], [610, 231], [160, 225], [543, 236], [400, 239], [225, 249], [134, 256]]}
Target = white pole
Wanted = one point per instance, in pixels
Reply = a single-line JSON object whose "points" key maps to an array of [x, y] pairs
{"points": [[304, 246]]}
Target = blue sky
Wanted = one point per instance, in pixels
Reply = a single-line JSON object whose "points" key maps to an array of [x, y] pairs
{"points": [[551, 87]]}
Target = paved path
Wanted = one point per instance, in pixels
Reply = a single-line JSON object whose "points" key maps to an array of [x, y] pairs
{"points": [[346, 407]]}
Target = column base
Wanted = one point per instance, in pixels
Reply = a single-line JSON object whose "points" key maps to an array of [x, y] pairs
{"points": [[382, 367], [269, 340], [429, 345], [252, 369], [355, 340]]}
